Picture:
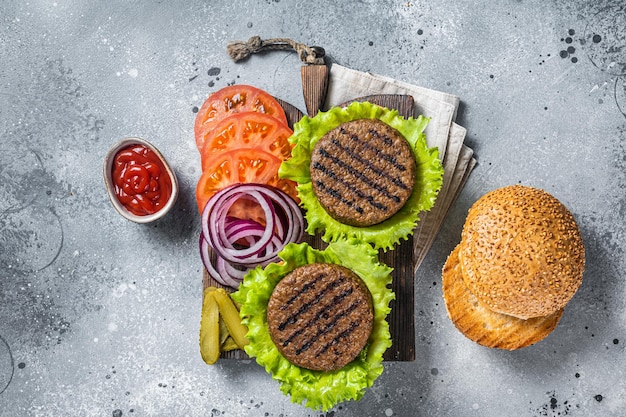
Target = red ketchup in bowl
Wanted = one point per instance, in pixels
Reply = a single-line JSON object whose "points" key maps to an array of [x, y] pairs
{"points": [[141, 181]]}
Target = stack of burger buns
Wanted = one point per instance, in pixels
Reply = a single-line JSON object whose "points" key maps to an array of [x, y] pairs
{"points": [[520, 261]]}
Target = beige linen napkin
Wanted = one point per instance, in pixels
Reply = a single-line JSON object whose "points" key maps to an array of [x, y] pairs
{"points": [[346, 84]]}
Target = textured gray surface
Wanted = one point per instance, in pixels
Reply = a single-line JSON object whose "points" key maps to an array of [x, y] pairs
{"points": [[100, 317]]}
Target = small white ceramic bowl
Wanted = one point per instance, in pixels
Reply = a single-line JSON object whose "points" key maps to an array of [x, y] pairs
{"points": [[108, 180]]}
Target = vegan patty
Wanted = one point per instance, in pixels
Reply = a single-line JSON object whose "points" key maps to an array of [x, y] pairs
{"points": [[320, 316], [362, 172]]}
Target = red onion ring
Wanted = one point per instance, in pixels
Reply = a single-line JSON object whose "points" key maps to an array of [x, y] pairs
{"points": [[239, 245], [205, 253], [217, 218]]}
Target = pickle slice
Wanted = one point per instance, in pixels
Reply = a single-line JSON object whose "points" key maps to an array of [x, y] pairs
{"points": [[210, 329], [229, 344], [229, 313]]}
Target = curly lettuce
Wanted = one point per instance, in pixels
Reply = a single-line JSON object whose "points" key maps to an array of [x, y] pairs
{"points": [[317, 389], [384, 235]]}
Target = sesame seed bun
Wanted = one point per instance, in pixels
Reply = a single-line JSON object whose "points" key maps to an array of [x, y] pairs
{"points": [[479, 323], [521, 252]]}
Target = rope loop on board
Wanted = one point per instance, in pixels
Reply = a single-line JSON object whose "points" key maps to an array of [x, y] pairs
{"points": [[239, 50]]}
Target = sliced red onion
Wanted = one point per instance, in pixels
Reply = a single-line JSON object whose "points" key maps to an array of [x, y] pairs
{"points": [[226, 250], [230, 270], [242, 244], [205, 253]]}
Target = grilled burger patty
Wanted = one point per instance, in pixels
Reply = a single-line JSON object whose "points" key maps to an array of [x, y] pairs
{"points": [[320, 316], [362, 172]]}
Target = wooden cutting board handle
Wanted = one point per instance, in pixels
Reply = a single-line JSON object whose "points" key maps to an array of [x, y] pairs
{"points": [[315, 72], [314, 87]]}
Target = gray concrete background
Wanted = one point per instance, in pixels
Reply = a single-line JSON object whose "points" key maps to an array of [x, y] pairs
{"points": [[100, 316]]}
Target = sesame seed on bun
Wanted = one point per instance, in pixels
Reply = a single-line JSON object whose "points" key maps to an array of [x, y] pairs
{"points": [[484, 326], [521, 252]]}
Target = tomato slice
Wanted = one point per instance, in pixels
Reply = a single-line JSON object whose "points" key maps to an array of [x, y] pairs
{"points": [[249, 130], [241, 165], [234, 99]]}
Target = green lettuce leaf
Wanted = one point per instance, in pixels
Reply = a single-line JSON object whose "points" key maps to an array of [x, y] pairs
{"points": [[316, 389], [429, 175]]}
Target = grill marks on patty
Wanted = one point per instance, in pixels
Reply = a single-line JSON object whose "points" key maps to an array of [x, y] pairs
{"points": [[321, 331], [317, 300], [362, 172], [320, 316]]}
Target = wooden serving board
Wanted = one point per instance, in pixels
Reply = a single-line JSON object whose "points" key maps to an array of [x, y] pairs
{"points": [[401, 318]]}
